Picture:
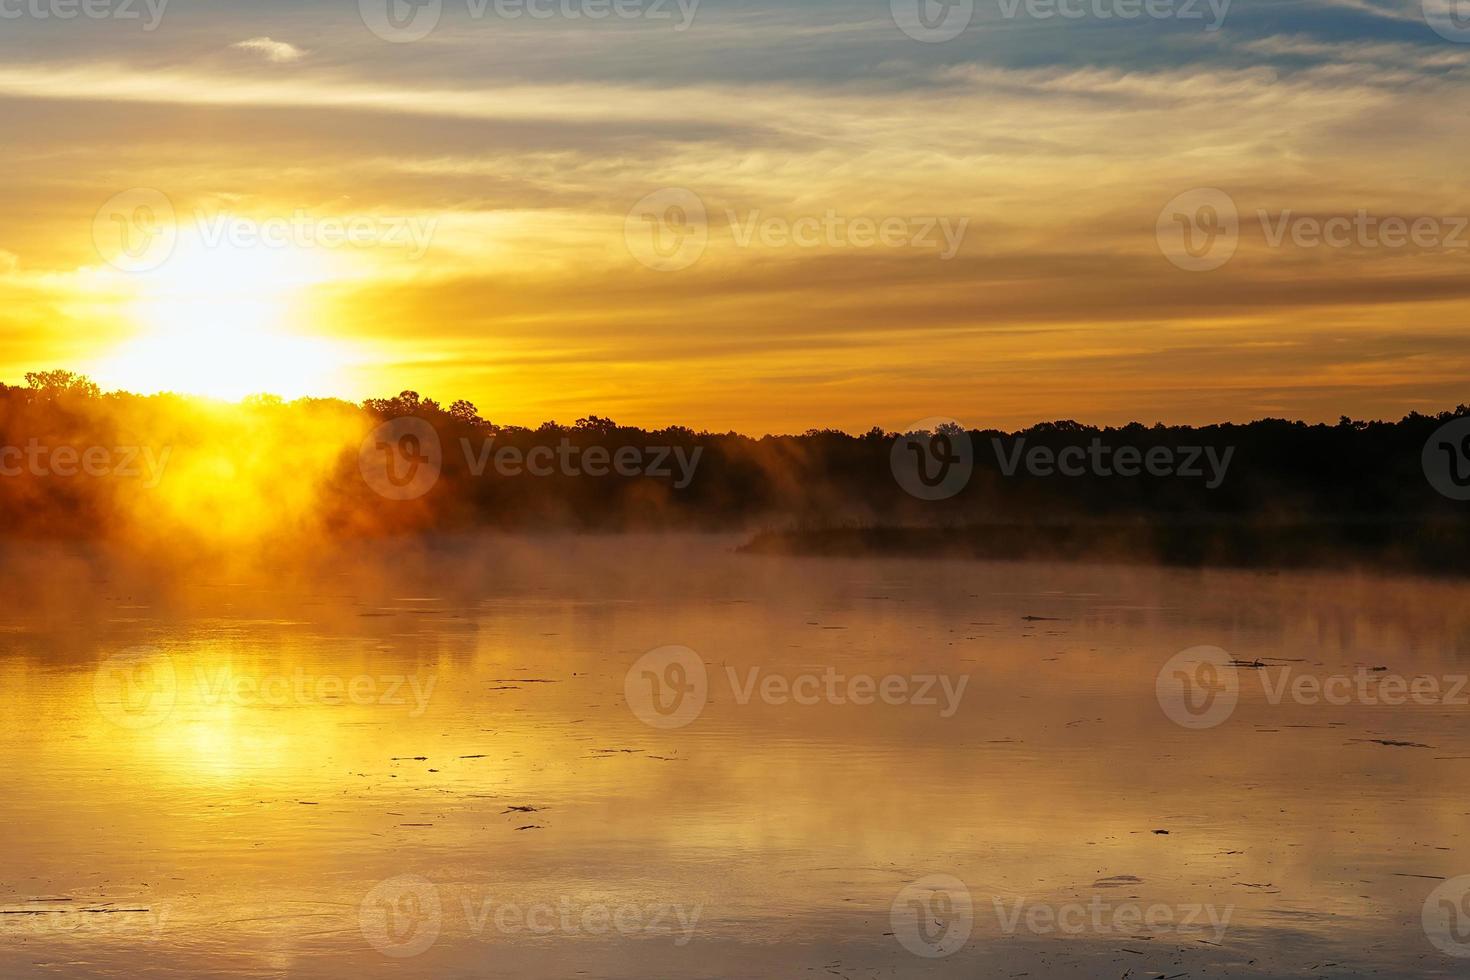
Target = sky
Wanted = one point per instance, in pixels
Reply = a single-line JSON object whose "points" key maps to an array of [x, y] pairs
{"points": [[746, 215]]}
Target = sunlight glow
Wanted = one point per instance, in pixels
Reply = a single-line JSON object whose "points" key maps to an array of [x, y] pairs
{"points": [[225, 321]]}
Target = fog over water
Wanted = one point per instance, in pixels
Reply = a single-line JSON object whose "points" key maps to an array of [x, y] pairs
{"points": [[628, 756]]}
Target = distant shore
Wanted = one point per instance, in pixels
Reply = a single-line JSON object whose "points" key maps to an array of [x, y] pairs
{"points": [[1435, 546]]}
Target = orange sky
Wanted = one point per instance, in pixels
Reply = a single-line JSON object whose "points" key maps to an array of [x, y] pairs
{"points": [[524, 200]]}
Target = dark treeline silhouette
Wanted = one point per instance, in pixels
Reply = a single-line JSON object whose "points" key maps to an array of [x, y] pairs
{"points": [[1292, 493]]}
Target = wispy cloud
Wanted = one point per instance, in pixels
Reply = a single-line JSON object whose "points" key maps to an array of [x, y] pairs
{"points": [[527, 142], [279, 52]]}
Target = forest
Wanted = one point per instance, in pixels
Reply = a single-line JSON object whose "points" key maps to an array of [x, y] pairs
{"points": [[77, 462]]}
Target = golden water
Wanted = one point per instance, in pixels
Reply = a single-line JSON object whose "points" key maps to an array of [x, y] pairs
{"points": [[314, 775]]}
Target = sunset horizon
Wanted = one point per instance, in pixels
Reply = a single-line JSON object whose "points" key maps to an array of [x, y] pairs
{"points": [[977, 421], [379, 207]]}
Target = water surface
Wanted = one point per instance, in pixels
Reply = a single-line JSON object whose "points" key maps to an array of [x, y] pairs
{"points": [[425, 762]]}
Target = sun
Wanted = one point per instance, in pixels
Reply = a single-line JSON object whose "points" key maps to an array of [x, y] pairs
{"points": [[225, 320]]}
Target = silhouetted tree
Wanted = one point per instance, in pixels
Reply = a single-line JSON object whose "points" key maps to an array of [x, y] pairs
{"points": [[61, 384]]}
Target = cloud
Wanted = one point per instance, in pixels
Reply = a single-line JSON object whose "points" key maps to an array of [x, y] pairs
{"points": [[277, 51], [1062, 154]]}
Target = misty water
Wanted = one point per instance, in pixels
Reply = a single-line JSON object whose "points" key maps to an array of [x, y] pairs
{"points": [[496, 757]]}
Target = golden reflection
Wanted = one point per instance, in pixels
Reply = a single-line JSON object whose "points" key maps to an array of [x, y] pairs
{"points": [[482, 742]]}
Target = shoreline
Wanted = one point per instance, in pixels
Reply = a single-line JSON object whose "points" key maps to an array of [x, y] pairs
{"points": [[1440, 547]]}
